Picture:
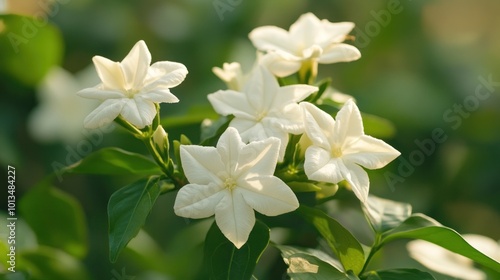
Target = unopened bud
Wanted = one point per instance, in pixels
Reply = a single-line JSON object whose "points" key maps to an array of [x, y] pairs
{"points": [[160, 138]]}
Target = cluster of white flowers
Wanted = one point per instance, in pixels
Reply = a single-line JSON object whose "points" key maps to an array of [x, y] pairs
{"points": [[236, 177]]}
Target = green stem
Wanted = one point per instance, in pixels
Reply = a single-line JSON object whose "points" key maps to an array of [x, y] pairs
{"points": [[374, 249], [162, 164], [147, 139], [134, 130]]}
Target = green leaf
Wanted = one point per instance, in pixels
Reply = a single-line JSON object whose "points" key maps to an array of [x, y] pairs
{"points": [[341, 241], [49, 263], [303, 186], [195, 115], [115, 161], [29, 49], [384, 214], [223, 261], [210, 133], [398, 274], [56, 218], [128, 209], [311, 264], [419, 226]]}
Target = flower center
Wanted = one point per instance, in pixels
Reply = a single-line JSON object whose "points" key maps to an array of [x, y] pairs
{"points": [[260, 116], [230, 184], [336, 152], [131, 92]]}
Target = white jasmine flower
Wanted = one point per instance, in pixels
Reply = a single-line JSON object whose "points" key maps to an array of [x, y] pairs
{"points": [[263, 109], [446, 262], [131, 88], [60, 113], [231, 74], [230, 181], [309, 40], [340, 147]]}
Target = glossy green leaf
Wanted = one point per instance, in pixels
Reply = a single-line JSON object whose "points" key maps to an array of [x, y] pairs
{"points": [[30, 47], [49, 263], [398, 274], [419, 226], [128, 209], [115, 161], [56, 218], [223, 261], [303, 186], [384, 214], [341, 241], [311, 264], [211, 132]]}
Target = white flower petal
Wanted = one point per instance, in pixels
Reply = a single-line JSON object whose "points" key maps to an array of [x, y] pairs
{"points": [[336, 31], [202, 165], [110, 72], [318, 125], [165, 74], [269, 196], [319, 166], [104, 113], [358, 179], [261, 89], [139, 112], [159, 96], [135, 65], [198, 201], [279, 64], [229, 147], [370, 152], [348, 125], [235, 218], [306, 29], [230, 102], [249, 130], [100, 94], [258, 158], [339, 53], [293, 94], [267, 38]]}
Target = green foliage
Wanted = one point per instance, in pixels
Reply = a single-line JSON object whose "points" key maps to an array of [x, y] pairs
{"points": [[62, 225], [115, 161], [195, 115], [224, 261], [384, 214], [29, 48], [419, 226], [49, 263], [128, 209], [398, 274], [311, 264], [341, 241]]}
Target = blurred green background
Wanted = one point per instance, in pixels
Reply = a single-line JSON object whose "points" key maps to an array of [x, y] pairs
{"points": [[422, 64]]}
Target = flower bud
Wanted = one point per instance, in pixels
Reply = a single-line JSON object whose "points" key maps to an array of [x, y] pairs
{"points": [[160, 139]]}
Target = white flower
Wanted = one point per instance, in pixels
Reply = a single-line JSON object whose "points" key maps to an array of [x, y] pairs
{"points": [[263, 109], [340, 147], [446, 262], [231, 180], [309, 39], [231, 74], [131, 88], [60, 113]]}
